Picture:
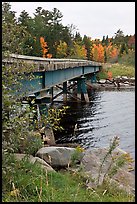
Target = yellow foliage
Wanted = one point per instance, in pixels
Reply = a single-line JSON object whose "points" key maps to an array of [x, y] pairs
{"points": [[14, 193], [62, 49]]}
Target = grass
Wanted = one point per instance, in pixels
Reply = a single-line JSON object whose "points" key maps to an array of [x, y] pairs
{"points": [[26, 182], [117, 70]]}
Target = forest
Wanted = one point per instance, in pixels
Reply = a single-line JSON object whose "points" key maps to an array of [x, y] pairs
{"points": [[44, 35]]}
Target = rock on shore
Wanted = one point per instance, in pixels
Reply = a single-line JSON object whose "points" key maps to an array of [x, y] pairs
{"points": [[118, 167]]}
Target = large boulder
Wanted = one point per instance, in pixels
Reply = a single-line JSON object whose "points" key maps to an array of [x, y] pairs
{"points": [[56, 156], [118, 167]]}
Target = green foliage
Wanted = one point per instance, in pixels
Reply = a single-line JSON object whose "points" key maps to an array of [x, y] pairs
{"points": [[116, 69], [25, 182], [114, 143], [52, 118], [122, 70], [17, 124], [77, 155], [102, 74], [128, 58], [88, 44]]}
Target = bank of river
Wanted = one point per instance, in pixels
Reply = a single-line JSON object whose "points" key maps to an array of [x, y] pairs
{"points": [[108, 114]]}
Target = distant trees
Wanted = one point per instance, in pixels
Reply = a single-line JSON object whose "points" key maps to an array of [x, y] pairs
{"points": [[62, 41]]}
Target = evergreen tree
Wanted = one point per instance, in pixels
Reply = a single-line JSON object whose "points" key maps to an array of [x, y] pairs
{"points": [[78, 38], [88, 44]]}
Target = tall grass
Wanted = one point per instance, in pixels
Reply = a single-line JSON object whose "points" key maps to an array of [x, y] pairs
{"points": [[117, 70], [26, 182], [122, 70]]}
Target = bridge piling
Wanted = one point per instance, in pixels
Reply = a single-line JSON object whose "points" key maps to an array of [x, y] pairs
{"points": [[93, 78], [79, 88], [82, 88]]}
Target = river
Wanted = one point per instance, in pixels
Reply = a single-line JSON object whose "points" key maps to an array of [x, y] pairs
{"points": [[109, 114]]}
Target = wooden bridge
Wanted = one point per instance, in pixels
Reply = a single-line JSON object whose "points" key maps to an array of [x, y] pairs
{"points": [[49, 73]]}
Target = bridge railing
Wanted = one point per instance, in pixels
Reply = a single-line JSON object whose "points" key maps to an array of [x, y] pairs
{"points": [[49, 64]]}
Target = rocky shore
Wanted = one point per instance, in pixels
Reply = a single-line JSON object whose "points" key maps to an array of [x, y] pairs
{"points": [[118, 83], [119, 173]]}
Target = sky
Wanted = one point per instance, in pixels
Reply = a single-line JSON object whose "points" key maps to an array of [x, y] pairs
{"points": [[93, 19]]}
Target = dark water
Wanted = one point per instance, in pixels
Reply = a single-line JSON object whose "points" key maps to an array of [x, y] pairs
{"points": [[109, 113]]}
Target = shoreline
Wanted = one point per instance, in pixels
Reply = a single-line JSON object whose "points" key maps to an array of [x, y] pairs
{"points": [[109, 87]]}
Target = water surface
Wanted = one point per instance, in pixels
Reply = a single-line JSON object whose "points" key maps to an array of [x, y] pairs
{"points": [[109, 114]]}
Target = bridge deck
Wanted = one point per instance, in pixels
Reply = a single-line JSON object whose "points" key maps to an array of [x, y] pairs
{"points": [[50, 72], [49, 64]]}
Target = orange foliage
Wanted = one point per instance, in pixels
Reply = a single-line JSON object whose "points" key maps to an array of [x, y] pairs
{"points": [[111, 51], [109, 75], [98, 52], [44, 48], [49, 55], [84, 51], [114, 52]]}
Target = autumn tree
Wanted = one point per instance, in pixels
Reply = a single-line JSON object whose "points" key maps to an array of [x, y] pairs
{"points": [[114, 55], [62, 50], [44, 48], [110, 53], [97, 53], [78, 51]]}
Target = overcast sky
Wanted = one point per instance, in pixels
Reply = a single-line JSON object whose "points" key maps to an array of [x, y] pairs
{"points": [[94, 19]]}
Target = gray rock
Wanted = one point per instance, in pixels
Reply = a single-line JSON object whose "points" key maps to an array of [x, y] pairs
{"points": [[92, 160], [102, 81], [124, 77], [56, 156], [33, 160], [43, 164]]}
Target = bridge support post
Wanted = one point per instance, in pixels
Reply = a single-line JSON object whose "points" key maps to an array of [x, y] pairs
{"points": [[65, 91], [79, 88], [51, 92], [93, 78], [82, 88]]}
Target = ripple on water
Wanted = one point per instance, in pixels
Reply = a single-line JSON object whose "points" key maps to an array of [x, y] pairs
{"points": [[110, 113]]}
